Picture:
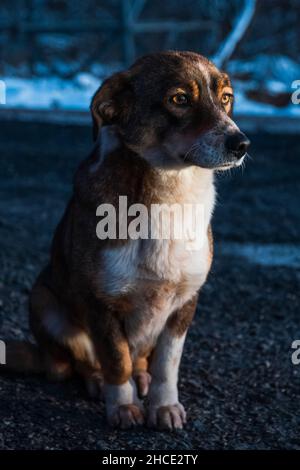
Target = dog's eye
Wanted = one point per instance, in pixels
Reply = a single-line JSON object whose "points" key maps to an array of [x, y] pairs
{"points": [[181, 99], [226, 98]]}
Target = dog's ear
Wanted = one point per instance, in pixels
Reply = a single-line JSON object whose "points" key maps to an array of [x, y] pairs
{"points": [[110, 102]]}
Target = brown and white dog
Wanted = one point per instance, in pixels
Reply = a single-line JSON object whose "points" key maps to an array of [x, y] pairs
{"points": [[118, 310]]}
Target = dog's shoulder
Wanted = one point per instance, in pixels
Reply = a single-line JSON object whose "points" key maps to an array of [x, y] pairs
{"points": [[111, 170]]}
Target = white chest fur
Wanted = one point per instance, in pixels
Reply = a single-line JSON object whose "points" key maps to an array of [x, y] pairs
{"points": [[148, 268], [165, 259]]}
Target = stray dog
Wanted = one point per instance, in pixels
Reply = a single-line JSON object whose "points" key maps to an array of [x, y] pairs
{"points": [[117, 311]]}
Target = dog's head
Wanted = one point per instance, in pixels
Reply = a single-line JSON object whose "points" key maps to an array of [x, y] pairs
{"points": [[173, 108]]}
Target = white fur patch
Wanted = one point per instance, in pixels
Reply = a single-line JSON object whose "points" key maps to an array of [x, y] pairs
{"points": [[117, 395], [164, 370], [145, 266], [165, 259], [120, 266]]}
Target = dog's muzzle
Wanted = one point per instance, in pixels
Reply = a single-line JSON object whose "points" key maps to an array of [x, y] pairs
{"points": [[219, 148]]}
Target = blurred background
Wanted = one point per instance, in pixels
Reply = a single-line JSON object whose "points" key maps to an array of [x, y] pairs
{"points": [[54, 53]]}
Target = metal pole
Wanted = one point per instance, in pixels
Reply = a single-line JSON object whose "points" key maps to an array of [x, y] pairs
{"points": [[128, 32]]}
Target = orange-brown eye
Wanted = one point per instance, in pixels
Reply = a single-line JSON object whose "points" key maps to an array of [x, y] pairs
{"points": [[181, 99], [226, 98]]}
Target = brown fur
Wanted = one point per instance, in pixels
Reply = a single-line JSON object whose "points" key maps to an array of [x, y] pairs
{"points": [[181, 319]]}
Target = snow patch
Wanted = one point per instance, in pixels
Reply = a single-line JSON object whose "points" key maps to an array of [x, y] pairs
{"points": [[51, 92], [272, 73]]}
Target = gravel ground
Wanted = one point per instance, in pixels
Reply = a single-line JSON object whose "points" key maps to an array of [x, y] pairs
{"points": [[238, 384]]}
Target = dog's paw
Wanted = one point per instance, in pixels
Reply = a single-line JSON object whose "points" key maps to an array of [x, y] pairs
{"points": [[142, 380], [167, 417], [125, 416]]}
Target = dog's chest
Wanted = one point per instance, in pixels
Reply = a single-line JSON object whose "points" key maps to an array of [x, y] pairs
{"points": [[160, 275], [171, 278]]}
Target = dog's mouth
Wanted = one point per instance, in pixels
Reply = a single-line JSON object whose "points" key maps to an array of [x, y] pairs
{"points": [[218, 150], [219, 163], [231, 164]]}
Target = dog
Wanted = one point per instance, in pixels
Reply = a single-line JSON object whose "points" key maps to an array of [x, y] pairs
{"points": [[116, 311]]}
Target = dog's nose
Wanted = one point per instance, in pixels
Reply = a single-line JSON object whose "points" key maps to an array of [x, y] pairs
{"points": [[237, 143]]}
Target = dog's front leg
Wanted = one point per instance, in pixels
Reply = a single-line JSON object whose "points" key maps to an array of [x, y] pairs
{"points": [[165, 410], [123, 408]]}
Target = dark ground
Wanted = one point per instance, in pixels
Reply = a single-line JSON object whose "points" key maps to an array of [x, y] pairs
{"points": [[237, 383]]}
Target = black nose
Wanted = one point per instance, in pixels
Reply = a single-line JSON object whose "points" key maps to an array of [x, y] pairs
{"points": [[237, 143]]}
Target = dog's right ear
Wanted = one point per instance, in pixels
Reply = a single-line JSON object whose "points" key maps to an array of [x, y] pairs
{"points": [[110, 103]]}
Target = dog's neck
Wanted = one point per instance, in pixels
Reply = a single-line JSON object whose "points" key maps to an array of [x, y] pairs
{"points": [[173, 182], [187, 182]]}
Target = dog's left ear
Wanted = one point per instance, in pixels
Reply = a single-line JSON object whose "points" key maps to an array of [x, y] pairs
{"points": [[110, 103]]}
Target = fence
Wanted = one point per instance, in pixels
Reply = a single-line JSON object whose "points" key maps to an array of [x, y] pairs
{"points": [[120, 22], [65, 36]]}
